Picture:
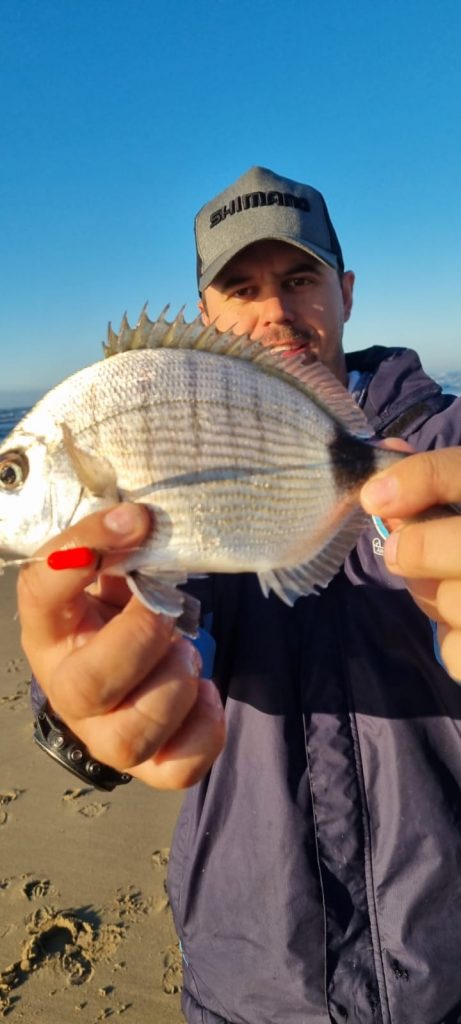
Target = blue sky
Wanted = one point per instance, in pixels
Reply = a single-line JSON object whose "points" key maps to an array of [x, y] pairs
{"points": [[120, 119]]}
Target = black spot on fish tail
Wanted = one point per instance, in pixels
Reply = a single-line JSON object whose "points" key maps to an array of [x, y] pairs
{"points": [[353, 461]]}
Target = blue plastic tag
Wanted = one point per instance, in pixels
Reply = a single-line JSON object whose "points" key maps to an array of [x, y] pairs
{"points": [[381, 528]]}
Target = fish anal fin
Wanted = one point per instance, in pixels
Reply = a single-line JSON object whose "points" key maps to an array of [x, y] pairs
{"points": [[315, 575], [159, 594], [94, 472]]}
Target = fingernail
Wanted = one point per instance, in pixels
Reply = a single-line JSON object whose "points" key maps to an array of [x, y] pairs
{"points": [[122, 519], [379, 492], [209, 693], [390, 548], [190, 656]]}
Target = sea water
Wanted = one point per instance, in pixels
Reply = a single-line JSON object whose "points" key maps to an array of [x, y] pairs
{"points": [[9, 418]]}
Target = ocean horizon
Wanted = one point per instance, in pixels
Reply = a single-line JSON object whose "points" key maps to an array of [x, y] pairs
{"points": [[11, 414], [10, 417]]}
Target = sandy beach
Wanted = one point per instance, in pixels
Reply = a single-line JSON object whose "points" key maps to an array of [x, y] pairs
{"points": [[85, 927]]}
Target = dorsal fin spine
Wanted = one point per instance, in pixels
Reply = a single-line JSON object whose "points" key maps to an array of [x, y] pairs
{"points": [[314, 380]]}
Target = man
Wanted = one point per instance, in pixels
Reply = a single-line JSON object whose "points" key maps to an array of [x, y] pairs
{"points": [[314, 875]]}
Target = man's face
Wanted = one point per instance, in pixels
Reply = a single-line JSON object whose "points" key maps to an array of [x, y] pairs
{"points": [[283, 297]]}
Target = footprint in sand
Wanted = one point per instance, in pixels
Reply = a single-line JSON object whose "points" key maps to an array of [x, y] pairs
{"points": [[55, 937], [15, 664], [7, 798], [36, 888], [130, 904], [10, 795], [70, 796], [67, 941], [172, 974], [160, 857], [162, 904], [93, 810], [16, 700]]}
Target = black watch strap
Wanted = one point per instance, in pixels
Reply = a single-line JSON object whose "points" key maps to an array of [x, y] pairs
{"points": [[57, 740]]}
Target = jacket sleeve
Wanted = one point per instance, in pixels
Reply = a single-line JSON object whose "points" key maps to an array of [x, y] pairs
{"points": [[442, 430]]}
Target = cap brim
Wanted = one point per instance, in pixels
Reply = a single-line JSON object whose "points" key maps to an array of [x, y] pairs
{"points": [[323, 255]]}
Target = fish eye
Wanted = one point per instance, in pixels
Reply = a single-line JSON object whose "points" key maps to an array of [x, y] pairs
{"points": [[14, 467]]}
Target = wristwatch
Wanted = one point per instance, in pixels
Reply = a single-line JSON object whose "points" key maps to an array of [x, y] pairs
{"points": [[57, 740]]}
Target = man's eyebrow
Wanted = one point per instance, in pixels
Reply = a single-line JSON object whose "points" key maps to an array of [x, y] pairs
{"points": [[229, 281], [306, 266], [225, 281]]}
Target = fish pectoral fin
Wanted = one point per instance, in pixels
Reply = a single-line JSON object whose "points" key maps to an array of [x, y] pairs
{"points": [[95, 472], [159, 593], [301, 580]]}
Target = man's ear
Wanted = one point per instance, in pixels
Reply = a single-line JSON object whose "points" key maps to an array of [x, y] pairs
{"points": [[347, 288], [203, 312]]}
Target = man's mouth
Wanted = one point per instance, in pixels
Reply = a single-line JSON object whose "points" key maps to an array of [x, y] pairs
{"points": [[290, 343]]}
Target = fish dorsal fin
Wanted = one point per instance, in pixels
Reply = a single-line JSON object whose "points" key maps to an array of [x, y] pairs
{"points": [[95, 473], [314, 380]]}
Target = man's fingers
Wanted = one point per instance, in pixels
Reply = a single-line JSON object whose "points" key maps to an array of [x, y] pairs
{"points": [[189, 754], [449, 603], [450, 650], [426, 550], [95, 677], [118, 674], [424, 592], [415, 484], [112, 590], [53, 602], [150, 714]]}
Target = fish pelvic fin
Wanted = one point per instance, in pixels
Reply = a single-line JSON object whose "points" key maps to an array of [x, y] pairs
{"points": [[95, 473], [314, 380], [159, 593], [317, 573]]}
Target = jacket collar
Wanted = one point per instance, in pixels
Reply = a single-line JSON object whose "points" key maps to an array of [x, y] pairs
{"points": [[393, 389]]}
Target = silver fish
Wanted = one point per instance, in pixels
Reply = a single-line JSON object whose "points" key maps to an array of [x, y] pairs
{"points": [[250, 460]]}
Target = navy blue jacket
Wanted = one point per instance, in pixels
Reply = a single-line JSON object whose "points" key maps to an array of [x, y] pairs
{"points": [[315, 874]]}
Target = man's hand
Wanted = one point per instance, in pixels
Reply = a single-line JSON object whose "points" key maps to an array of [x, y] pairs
{"points": [[427, 554], [120, 676]]}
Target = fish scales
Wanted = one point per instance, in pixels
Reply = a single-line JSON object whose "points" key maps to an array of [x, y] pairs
{"points": [[249, 461]]}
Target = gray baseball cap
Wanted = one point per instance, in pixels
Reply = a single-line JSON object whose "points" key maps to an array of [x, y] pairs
{"points": [[262, 205]]}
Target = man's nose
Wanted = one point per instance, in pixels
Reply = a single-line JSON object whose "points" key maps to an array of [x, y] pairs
{"points": [[275, 309]]}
